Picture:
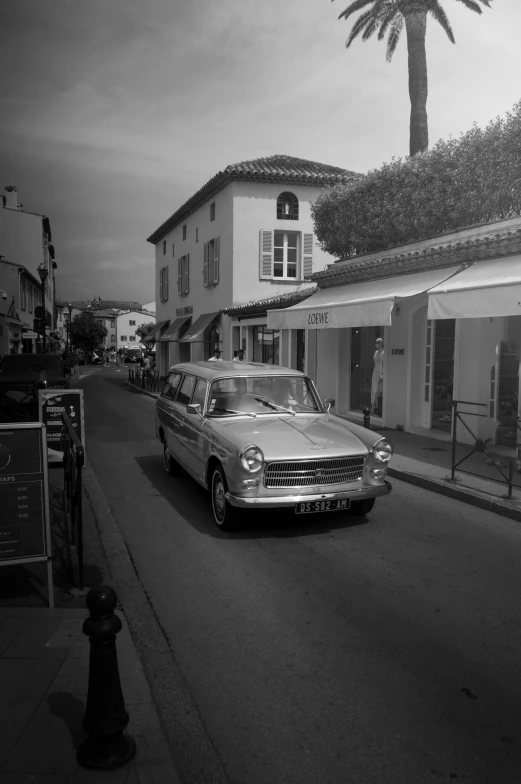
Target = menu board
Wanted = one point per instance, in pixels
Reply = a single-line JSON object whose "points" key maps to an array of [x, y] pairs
{"points": [[23, 496], [52, 402]]}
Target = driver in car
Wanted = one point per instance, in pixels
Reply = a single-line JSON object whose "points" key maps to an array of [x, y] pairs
{"points": [[283, 393]]}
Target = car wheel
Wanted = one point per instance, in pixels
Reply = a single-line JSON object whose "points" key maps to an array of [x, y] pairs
{"points": [[170, 463], [362, 508], [226, 516]]}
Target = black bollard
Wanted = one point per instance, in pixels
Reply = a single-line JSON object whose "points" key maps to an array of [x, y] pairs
{"points": [[367, 417], [105, 716]]}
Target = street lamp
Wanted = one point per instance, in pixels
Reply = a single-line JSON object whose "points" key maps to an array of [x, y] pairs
{"points": [[67, 310], [43, 272]]}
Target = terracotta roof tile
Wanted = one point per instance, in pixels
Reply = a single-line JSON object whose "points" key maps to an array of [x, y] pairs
{"points": [[274, 168], [271, 303]]}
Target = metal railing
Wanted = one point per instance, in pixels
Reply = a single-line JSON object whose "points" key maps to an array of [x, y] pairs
{"points": [[144, 379], [480, 446], [73, 462]]}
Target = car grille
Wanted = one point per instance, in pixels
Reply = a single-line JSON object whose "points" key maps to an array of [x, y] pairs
{"points": [[305, 473]]}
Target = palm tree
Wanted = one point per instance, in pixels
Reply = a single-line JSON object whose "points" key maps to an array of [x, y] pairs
{"points": [[389, 16]]}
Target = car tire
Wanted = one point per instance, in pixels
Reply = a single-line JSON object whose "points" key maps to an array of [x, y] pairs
{"points": [[171, 467], [226, 516], [362, 508]]}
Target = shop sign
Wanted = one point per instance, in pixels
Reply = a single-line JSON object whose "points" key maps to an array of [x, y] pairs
{"points": [[400, 351], [25, 533], [320, 317], [52, 402], [186, 311]]}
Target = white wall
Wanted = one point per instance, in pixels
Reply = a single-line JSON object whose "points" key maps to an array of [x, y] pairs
{"points": [[255, 209], [125, 329]]}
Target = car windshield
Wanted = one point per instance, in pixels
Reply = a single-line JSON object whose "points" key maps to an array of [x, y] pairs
{"points": [[21, 364], [258, 395]]}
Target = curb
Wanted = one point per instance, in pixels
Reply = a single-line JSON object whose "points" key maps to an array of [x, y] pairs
{"points": [[452, 490], [195, 757], [142, 391]]}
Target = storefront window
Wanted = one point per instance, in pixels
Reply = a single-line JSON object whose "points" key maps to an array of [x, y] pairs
{"points": [[266, 345], [301, 349], [366, 369], [442, 374]]}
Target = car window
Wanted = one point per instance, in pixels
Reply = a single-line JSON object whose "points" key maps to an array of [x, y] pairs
{"points": [[258, 395], [184, 394], [200, 392], [171, 385]]}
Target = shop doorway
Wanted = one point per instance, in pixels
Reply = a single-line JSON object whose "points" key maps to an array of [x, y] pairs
{"points": [[439, 373], [184, 348], [363, 345]]}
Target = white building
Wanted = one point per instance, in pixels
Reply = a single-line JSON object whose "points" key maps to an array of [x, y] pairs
{"points": [[150, 306], [126, 326], [448, 309], [246, 234]]}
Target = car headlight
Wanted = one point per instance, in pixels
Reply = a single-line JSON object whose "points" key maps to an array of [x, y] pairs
{"points": [[382, 451], [251, 459]]}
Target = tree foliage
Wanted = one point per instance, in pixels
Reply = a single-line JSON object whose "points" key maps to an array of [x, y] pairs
{"points": [[143, 329], [86, 332], [472, 179]]}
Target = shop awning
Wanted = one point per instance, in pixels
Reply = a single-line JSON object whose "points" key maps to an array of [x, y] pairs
{"points": [[483, 290], [195, 333], [170, 335], [367, 304], [155, 331]]}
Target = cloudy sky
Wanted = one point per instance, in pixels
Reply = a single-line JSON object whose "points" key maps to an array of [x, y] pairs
{"points": [[113, 112]]}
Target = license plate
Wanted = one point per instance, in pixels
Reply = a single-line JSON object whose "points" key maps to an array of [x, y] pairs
{"points": [[308, 507]]}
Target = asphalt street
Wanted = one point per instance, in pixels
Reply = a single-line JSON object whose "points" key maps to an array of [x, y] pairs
{"points": [[324, 649]]}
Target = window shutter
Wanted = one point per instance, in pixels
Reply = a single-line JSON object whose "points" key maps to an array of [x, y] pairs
{"points": [[187, 279], [166, 283], [266, 255], [160, 285], [205, 264], [180, 276], [307, 255], [216, 248]]}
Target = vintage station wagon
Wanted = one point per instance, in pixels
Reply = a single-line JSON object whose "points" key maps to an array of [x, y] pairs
{"points": [[259, 437]]}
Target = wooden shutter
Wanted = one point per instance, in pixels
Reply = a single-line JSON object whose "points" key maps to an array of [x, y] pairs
{"points": [[307, 255], [180, 276], [266, 255], [187, 275], [216, 245], [160, 285], [165, 287], [205, 264]]}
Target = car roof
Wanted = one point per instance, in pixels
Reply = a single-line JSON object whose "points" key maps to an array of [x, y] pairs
{"points": [[218, 369]]}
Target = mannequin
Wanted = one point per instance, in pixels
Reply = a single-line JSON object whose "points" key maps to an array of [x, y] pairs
{"points": [[377, 382]]}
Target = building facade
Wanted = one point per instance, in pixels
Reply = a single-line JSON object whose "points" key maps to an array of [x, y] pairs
{"points": [[447, 317], [20, 294], [126, 325], [26, 240], [247, 234]]}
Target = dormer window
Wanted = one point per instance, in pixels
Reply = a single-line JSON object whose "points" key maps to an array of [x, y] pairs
{"points": [[287, 206]]}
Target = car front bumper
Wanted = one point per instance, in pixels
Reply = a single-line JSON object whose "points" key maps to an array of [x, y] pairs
{"points": [[270, 502]]}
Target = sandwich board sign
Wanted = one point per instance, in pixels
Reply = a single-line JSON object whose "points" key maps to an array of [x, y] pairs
{"points": [[51, 404], [25, 523]]}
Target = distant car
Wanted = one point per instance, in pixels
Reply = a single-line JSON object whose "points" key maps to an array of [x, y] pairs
{"points": [[133, 355], [258, 437], [21, 375]]}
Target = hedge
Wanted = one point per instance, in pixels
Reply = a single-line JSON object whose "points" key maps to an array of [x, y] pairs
{"points": [[460, 182]]}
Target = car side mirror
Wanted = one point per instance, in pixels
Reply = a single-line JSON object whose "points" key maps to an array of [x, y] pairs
{"points": [[194, 409], [329, 403]]}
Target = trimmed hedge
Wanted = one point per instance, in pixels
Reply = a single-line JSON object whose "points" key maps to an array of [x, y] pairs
{"points": [[460, 182]]}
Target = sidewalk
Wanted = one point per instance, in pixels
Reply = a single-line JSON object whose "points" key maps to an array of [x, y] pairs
{"points": [[44, 677]]}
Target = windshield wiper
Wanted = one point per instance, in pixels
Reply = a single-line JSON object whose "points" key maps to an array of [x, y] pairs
{"points": [[274, 406], [232, 411]]}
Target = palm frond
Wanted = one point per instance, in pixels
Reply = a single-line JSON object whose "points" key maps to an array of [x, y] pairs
{"points": [[439, 14], [386, 20], [473, 5], [394, 36], [358, 27], [357, 5]]}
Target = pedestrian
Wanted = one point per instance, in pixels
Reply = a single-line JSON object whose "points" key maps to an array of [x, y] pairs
{"points": [[216, 355], [240, 356], [147, 364]]}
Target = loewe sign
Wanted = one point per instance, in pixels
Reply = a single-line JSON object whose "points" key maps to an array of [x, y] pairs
{"points": [[184, 311]]}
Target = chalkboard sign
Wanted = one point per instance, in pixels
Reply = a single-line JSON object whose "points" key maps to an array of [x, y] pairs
{"points": [[24, 496], [52, 402]]}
